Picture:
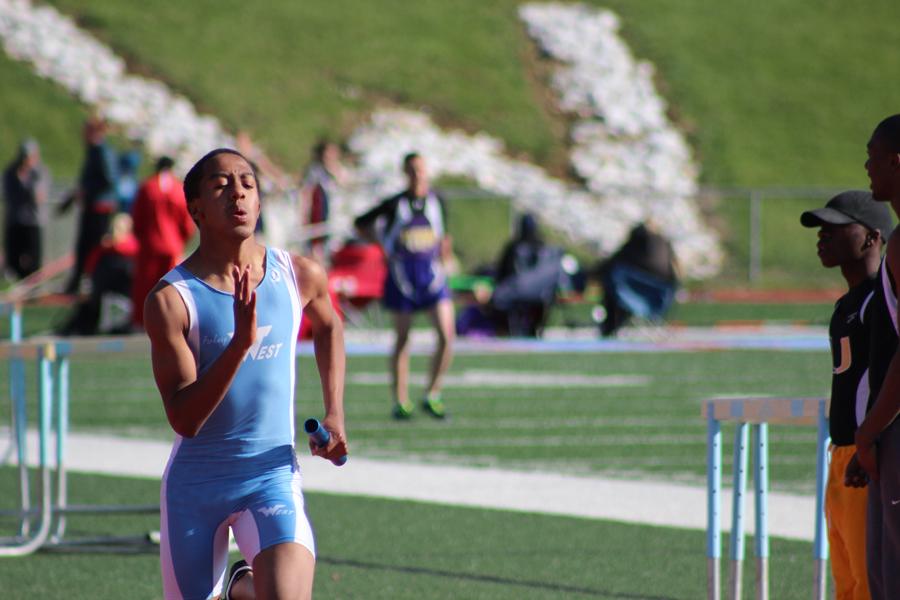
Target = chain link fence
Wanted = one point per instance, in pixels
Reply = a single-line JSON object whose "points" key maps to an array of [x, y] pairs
{"points": [[759, 227]]}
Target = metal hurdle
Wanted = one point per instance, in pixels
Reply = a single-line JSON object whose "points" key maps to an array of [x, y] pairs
{"points": [[758, 413], [52, 358]]}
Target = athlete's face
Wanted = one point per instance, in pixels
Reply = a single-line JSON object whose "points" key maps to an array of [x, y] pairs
{"points": [[229, 199], [843, 244], [416, 173], [883, 168]]}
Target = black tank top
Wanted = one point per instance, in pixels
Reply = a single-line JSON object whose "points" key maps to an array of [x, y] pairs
{"points": [[882, 318], [849, 335]]}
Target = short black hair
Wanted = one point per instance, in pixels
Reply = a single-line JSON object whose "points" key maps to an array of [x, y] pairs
{"points": [[195, 176], [888, 131], [164, 164], [409, 158], [320, 147]]}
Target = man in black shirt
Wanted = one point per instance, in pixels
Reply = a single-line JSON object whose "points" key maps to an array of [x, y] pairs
{"points": [[877, 461], [97, 195], [852, 229]]}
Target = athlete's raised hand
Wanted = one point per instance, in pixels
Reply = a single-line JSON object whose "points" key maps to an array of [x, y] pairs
{"points": [[244, 309]]}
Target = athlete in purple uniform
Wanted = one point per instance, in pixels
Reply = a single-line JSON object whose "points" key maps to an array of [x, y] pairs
{"points": [[412, 230], [223, 326]]}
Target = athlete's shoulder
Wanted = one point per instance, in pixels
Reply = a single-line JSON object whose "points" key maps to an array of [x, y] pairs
{"points": [[312, 280], [391, 203], [164, 308], [306, 267]]}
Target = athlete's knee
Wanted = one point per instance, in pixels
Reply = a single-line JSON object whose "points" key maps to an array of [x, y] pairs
{"points": [[445, 336], [401, 345], [284, 571]]}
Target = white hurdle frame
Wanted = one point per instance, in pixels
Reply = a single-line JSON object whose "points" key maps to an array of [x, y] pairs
{"points": [[52, 356], [758, 413]]}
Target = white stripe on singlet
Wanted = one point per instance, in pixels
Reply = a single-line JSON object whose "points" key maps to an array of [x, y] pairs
{"points": [[177, 280], [865, 305], [862, 397], [286, 267]]}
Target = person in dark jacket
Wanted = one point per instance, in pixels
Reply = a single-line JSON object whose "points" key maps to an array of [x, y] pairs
{"points": [[96, 194], [645, 270], [527, 279], [24, 190]]}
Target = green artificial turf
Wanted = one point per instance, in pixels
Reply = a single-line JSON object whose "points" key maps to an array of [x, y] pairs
{"points": [[374, 549], [525, 411]]}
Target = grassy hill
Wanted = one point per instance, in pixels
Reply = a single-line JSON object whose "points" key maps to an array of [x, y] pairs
{"points": [[30, 106], [781, 94]]}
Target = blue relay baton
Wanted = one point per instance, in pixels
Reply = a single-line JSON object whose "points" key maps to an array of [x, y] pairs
{"points": [[320, 437]]}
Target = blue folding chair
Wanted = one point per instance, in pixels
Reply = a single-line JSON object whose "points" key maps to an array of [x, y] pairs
{"points": [[644, 295]]}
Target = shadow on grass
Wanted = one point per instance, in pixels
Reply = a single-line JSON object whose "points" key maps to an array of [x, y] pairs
{"points": [[537, 585]]}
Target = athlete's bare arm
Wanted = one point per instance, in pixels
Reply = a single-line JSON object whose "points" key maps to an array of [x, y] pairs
{"points": [[887, 405], [189, 399], [328, 341]]}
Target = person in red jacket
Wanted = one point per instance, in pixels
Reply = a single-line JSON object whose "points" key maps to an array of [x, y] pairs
{"points": [[162, 225]]}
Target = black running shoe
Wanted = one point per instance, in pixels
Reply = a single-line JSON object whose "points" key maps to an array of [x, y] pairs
{"points": [[238, 570]]}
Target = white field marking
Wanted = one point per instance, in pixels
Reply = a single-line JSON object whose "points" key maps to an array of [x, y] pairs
{"points": [[643, 502], [463, 423], [734, 396], [492, 378], [563, 441], [623, 467]]}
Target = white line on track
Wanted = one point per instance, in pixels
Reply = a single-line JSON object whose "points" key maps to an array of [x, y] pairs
{"points": [[480, 378], [427, 441], [630, 501]]}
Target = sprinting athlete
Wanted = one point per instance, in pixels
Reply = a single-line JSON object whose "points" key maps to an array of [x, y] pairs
{"points": [[223, 326], [413, 234], [852, 227], [878, 436]]}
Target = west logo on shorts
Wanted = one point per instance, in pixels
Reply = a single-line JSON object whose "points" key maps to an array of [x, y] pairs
{"points": [[275, 510]]}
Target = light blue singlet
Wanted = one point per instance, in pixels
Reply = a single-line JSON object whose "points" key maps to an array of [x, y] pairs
{"points": [[240, 469]]}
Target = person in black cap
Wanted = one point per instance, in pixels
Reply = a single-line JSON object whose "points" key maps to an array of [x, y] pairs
{"points": [[852, 230]]}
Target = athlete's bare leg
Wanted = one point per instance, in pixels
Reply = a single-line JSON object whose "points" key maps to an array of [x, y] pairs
{"points": [[400, 357], [283, 571], [442, 315]]}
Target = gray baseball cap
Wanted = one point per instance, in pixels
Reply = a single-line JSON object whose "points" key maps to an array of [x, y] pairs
{"points": [[854, 206]]}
